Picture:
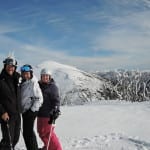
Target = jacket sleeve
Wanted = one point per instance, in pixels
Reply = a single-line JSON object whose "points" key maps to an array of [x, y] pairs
{"points": [[2, 109], [55, 97], [37, 98]]}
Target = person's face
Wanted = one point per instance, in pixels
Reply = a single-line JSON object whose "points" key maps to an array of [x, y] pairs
{"points": [[45, 78], [26, 75], [10, 69]]}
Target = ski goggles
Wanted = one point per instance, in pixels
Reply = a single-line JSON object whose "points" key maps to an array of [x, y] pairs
{"points": [[26, 69], [10, 62]]}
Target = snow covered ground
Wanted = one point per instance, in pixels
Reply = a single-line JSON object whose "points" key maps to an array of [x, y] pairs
{"points": [[106, 125]]}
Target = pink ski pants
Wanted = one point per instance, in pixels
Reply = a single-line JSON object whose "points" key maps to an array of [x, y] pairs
{"points": [[44, 130]]}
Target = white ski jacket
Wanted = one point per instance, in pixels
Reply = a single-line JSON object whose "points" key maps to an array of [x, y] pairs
{"points": [[31, 95]]}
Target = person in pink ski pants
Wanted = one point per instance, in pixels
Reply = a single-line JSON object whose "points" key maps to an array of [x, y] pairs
{"points": [[48, 112]]}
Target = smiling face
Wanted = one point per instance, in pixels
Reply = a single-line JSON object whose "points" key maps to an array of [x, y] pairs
{"points": [[45, 78], [10, 69], [26, 75]]}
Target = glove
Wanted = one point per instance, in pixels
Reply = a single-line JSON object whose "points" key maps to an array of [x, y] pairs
{"points": [[54, 114]]}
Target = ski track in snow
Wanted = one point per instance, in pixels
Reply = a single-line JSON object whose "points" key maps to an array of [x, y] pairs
{"points": [[112, 141]]}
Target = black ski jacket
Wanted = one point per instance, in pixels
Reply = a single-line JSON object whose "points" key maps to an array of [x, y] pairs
{"points": [[51, 98], [9, 93]]}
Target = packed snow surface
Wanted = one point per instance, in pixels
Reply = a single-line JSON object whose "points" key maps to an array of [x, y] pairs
{"points": [[105, 125]]}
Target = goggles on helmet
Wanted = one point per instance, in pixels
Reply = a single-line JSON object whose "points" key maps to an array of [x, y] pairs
{"points": [[10, 61], [26, 69]]}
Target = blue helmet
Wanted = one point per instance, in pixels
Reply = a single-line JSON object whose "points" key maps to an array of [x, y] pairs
{"points": [[26, 68]]}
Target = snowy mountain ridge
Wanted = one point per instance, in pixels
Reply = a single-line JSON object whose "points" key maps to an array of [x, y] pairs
{"points": [[76, 86]]}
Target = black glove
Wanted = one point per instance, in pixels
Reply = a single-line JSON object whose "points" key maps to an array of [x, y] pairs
{"points": [[54, 114]]}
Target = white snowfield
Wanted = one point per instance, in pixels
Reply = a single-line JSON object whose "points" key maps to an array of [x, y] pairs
{"points": [[106, 125]]}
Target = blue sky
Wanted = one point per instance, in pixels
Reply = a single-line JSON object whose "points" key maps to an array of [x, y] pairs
{"points": [[89, 34]]}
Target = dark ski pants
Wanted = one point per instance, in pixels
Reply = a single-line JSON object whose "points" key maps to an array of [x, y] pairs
{"points": [[14, 130], [28, 130]]}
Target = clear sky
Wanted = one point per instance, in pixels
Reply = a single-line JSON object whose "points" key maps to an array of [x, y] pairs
{"points": [[89, 34]]}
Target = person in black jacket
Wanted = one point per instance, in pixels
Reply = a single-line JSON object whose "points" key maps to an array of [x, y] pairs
{"points": [[10, 104], [49, 112]]}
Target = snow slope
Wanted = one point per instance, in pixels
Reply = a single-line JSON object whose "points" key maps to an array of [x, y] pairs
{"points": [[76, 86], [107, 125]]}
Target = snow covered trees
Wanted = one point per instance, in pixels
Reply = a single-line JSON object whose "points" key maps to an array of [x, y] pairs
{"points": [[127, 85]]}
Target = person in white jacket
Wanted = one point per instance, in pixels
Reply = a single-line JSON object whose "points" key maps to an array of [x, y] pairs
{"points": [[31, 101]]}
